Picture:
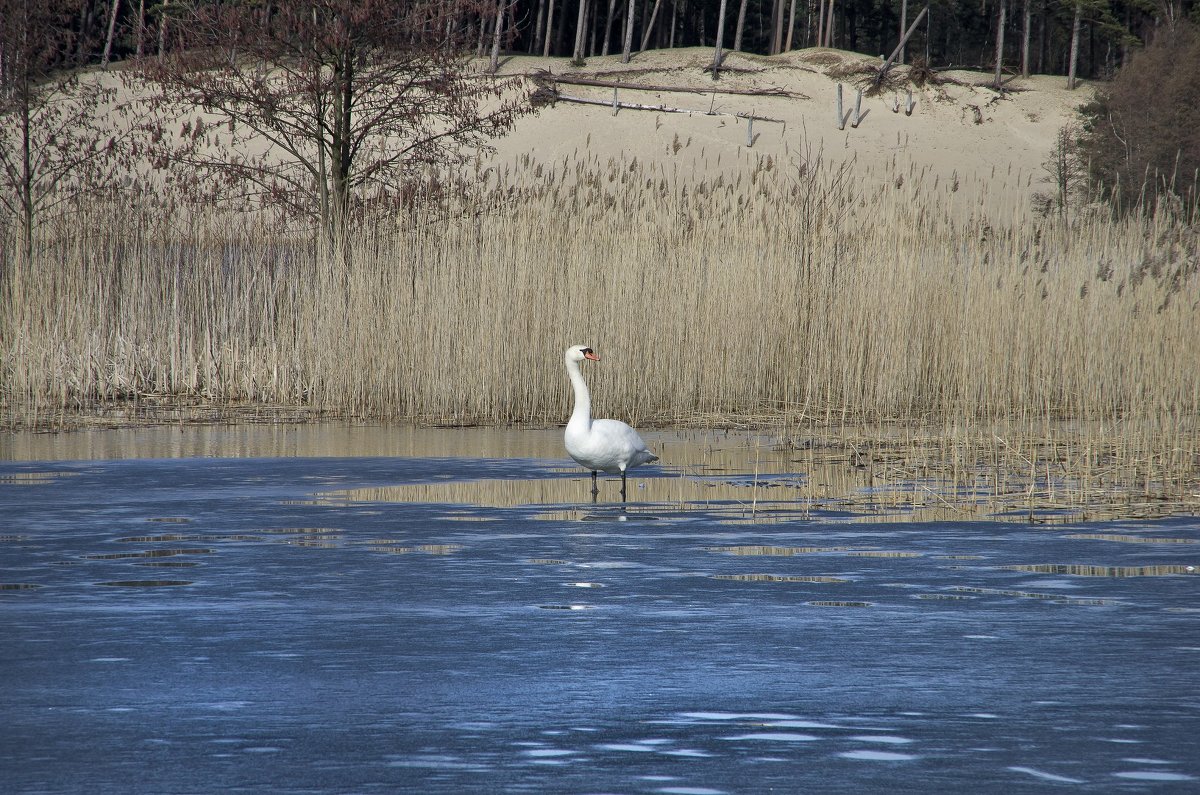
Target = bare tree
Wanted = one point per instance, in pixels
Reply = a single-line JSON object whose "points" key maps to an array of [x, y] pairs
{"points": [[1066, 173], [354, 99], [1142, 132], [61, 136]]}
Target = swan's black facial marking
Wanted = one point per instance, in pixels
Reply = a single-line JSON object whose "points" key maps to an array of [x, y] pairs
{"points": [[588, 353]]}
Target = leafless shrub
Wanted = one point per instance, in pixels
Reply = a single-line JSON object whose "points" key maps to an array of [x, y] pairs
{"points": [[1143, 132]]}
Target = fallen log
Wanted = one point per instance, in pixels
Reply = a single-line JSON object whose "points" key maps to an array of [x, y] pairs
{"points": [[608, 103], [749, 92]]}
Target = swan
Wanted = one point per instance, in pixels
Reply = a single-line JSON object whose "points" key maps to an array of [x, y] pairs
{"points": [[599, 445]]}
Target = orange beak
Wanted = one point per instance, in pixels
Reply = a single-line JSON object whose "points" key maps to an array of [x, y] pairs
{"points": [[592, 356]]}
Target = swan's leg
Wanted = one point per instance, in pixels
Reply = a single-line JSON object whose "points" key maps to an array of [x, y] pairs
{"points": [[595, 489], [622, 485]]}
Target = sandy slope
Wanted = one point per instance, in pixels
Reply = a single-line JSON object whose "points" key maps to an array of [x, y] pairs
{"points": [[957, 129]]}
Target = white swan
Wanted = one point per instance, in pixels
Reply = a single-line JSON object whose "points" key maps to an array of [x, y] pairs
{"points": [[599, 445]]}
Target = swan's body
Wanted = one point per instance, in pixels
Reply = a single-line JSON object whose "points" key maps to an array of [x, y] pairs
{"points": [[599, 445]]}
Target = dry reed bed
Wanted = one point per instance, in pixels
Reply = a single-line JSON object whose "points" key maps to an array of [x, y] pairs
{"points": [[792, 295]]}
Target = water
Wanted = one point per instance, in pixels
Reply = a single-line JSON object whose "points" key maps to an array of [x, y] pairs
{"points": [[345, 610]]}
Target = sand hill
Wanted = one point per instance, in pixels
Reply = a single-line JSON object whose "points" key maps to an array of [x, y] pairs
{"points": [[959, 130]]}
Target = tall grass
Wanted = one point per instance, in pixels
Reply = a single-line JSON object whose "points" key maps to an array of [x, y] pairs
{"points": [[790, 294]]}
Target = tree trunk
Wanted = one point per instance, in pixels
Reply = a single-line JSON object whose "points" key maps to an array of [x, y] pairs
{"points": [[580, 32], [536, 44], [162, 29], [650, 26], [612, 6], [1074, 46], [1026, 29], [741, 26], [829, 26], [560, 29], [903, 28], [627, 52], [593, 23], [26, 167], [340, 144], [791, 30], [998, 80], [112, 27], [549, 27], [85, 29], [717, 55], [141, 29], [777, 18], [494, 66]]}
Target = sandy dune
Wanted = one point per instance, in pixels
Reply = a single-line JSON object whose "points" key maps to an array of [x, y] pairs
{"points": [[995, 145]]}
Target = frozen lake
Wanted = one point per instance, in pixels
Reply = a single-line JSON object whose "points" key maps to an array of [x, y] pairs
{"points": [[321, 608]]}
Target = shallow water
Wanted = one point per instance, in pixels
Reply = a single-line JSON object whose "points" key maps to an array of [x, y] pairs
{"points": [[324, 608]]}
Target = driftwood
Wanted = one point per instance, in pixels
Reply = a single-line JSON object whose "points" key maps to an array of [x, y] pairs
{"points": [[615, 105], [587, 81]]}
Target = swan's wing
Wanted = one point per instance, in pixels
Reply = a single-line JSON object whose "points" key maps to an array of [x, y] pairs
{"points": [[620, 435], [615, 430]]}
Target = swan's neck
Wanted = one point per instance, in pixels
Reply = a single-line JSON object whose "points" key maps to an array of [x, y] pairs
{"points": [[582, 415]]}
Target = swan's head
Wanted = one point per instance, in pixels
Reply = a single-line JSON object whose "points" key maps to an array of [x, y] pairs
{"points": [[577, 353]]}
